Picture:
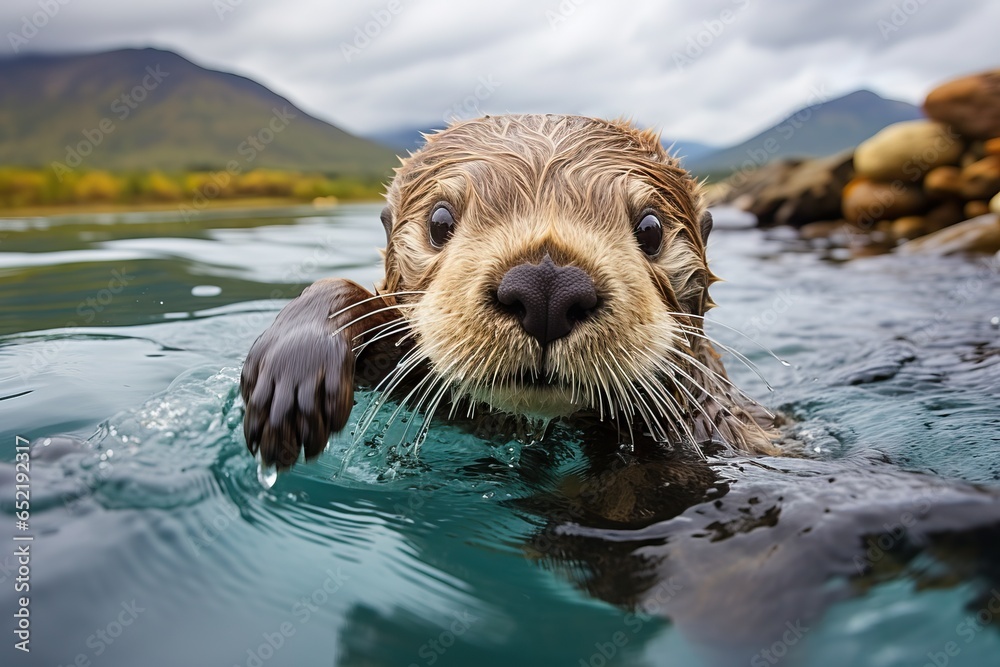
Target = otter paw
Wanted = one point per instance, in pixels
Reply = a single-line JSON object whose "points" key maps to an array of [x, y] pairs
{"points": [[298, 387]]}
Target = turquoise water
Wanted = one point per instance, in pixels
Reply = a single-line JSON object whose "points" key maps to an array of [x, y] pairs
{"points": [[156, 544]]}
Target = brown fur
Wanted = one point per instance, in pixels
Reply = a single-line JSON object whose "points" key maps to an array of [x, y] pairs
{"points": [[572, 187]]}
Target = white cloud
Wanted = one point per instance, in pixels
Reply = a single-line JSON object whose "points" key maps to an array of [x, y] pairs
{"points": [[746, 63]]}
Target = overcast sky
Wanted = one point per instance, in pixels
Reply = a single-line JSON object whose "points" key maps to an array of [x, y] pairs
{"points": [[714, 70]]}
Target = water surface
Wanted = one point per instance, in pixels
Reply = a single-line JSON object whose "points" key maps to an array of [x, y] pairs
{"points": [[128, 332]]}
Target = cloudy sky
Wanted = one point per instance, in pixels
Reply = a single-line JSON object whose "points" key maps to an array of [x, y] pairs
{"points": [[713, 71]]}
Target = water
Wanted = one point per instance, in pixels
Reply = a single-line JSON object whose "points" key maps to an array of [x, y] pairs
{"points": [[158, 541]]}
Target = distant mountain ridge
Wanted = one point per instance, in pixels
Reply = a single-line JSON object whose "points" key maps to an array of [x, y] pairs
{"points": [[816, 130], [813, 131], [404, 139], [154, 109]]}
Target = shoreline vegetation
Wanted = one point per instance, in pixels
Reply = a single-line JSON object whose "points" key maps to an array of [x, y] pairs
{"points": [[39, 192]]}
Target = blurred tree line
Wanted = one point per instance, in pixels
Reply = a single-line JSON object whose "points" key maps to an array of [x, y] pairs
{"points": [[20, 187]]}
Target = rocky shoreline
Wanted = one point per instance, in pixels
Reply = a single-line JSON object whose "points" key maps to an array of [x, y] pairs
{"points": [[923, 187]]}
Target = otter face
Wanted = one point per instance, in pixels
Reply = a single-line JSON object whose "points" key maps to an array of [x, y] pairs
{"points": [[556, 260]]}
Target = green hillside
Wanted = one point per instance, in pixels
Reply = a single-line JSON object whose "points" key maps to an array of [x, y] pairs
{"points": [[144, 109]]}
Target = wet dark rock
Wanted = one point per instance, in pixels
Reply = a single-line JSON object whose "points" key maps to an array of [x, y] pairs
{"points": [[979, 235]]}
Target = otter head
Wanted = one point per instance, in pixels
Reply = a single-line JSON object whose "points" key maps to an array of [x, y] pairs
{"points": [[551, 264]]}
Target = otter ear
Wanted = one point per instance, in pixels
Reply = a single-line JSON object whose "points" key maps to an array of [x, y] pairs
{"points": [[386, 217], [706, 225]]}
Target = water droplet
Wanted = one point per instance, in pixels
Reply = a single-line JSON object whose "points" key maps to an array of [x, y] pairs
{"points": [[488, 495], [111, 453], [995, 322], [266, 475]]}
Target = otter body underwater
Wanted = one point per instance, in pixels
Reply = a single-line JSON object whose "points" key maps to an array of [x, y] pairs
{"points": [[555, 267]]}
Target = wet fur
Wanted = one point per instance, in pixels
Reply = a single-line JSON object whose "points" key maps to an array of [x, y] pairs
{"points": [[521, 187], [572, 187]]}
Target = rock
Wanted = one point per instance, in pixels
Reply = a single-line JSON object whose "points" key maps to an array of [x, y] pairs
{"points": [[944, 215], [743, 187], [906, 151], [970, 104], [995, 205], [822, 229], [981, 180], [943, 182], [865, 202], [975, 208], [793, 192], [992, 146], [980, 234], [908, 227]]}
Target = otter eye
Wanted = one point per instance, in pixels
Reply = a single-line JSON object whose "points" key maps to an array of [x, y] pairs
{"points": [[649, 234], [441, 225]]}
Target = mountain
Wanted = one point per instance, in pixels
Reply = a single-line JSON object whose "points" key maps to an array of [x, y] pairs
{"points": [[813, 131], [687, 151], [154, 109], [403, 139]]}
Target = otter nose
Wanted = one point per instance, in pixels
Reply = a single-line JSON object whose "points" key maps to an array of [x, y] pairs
{"points": [[549, 299]]}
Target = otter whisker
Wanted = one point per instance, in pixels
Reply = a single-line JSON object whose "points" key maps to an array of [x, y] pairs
{"points": [[736, 353], [373, 298], [409, 361], [603, 394], [459, 389], [387, 334], [384, 389], [695, 402], [431, 380], [724, 379], [673, 369], [736, 331], [383, 325], [677, 413], [657, 393], [715, 375], [664, 399], [374, 312], [429, 415]]}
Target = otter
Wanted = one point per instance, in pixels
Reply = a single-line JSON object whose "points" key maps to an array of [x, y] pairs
{"points": [[553, 267], [543, 266]]}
